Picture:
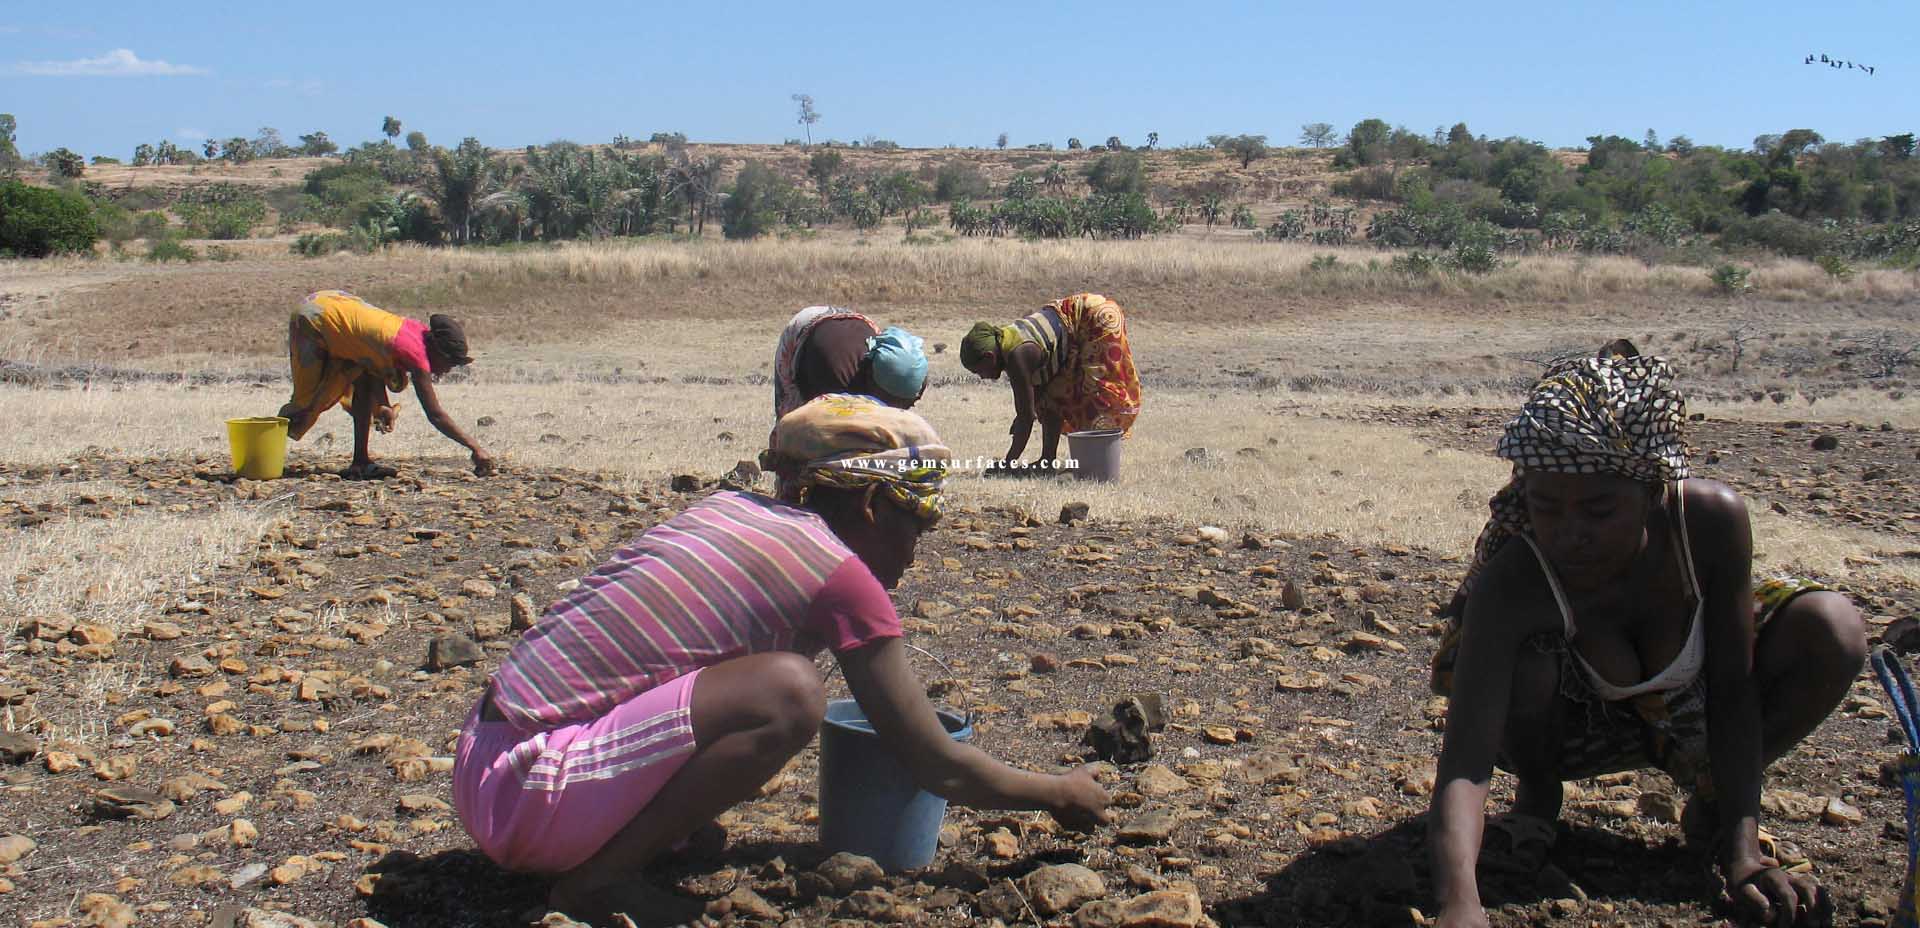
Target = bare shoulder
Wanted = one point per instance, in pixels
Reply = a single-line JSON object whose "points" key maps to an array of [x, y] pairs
{"points": [[1716, 514], [1511, 598]]}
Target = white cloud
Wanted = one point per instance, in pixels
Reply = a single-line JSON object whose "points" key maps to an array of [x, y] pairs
{"points": [[117, 63], [190, 135]]}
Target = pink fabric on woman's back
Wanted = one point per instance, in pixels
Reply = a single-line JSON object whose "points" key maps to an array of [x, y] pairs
{"points": [[410, 348], [544, 803]]}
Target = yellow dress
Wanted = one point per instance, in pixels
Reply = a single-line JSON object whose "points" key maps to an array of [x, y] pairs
{"points": [[334, 339]]}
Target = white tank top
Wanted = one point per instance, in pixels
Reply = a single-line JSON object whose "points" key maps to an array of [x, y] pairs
{"points": [[1692, 657]]}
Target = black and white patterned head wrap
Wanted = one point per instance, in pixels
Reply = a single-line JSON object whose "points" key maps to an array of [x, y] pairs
{"points": [[1613, 414]]}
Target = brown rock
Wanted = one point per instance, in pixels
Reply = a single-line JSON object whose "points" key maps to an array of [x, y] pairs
{"points": [[1074, 512], [191, 665], [187, 786], [116, 768], [1220, 734], [104, 911], [848, 872], [743, 902], [1147, 828], [522, 613], [1162, 909], [1002, 845], [878, 905], [1291, 597], [289, 872], [242, 833], [446, 652], [1840, 813], [18, 747], [89, 633], [131, 802], [1061, 888], [1157, 781], [1791, 805], [1270, 767], [15, 847], [1044, 662], [1661, 807]]}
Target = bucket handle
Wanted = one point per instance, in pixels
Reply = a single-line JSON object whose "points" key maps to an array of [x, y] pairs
{"points": [[1899, 687], [930, 656]]}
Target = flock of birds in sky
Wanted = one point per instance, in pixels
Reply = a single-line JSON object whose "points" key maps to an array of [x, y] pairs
{"points": [[1837, 63]]}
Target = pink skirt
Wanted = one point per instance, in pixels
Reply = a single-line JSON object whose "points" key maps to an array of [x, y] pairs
{"points": [[547, 801]]}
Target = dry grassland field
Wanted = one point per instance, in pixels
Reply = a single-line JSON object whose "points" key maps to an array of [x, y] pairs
{"points": [[216, 700]]}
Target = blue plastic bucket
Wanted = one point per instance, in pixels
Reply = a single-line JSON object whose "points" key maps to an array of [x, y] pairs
{"points": [[869, 804]]}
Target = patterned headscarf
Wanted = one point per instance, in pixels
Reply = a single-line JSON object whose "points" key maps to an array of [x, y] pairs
{"points": [[1613, 414], [849, 442], [987, 338]]}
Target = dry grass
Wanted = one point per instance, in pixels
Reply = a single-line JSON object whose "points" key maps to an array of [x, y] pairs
{"points": [[1303, 474], [520, 298], [929, 272], [1868, 407], [121, 571]]}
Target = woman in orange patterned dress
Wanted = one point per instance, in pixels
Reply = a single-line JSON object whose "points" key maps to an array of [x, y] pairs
{"points": [[1070, 367]]}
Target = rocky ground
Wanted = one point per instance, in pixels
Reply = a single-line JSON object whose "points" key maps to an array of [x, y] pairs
{"points": [[1860, 474], [279, 754]]}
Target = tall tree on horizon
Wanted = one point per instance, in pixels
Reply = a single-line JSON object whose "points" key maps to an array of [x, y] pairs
{"points": [[808, 116], [390, 127]]}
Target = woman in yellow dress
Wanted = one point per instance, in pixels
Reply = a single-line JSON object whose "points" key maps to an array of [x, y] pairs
{"points": [[348, 353]]}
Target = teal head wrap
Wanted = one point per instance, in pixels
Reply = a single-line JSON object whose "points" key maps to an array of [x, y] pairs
{"points": [[899, 364]]}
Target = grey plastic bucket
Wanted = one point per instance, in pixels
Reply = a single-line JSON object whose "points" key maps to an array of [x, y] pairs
{"points": [[869, 804], [1096, 452]]}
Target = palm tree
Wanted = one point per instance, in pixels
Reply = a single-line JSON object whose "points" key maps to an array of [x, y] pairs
{"points": [[461, 178], [508, 205]]}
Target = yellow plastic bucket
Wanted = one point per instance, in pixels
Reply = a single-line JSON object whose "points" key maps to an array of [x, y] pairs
{"points": [[259, 446]]}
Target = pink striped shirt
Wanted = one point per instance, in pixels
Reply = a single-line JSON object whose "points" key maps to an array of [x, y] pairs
{"points": [[733, 575]]}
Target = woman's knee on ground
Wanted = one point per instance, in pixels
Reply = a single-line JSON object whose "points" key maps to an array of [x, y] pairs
{"points": [[1819, 633], [791, 698]]}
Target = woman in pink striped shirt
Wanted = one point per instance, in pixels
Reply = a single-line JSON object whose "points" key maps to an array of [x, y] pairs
{"points": [[678, 677]]}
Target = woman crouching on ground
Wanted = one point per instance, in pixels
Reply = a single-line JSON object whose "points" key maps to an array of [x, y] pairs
{"points": [[1593, 647], [677, 678]]}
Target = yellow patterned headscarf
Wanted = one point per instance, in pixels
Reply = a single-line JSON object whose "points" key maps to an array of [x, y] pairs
{"points": [[850, 442]]}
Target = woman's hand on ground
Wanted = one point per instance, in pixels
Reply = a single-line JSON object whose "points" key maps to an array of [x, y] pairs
{"points": [[1081, 804], [483, 465], [1763, 893], [384, 417]]}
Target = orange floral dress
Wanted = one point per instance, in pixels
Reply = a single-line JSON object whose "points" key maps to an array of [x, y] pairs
{"points": [[1088, 378]]}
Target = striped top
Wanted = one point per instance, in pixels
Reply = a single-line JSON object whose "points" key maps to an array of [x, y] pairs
{"points": [[733, 575], [1044, 328]]}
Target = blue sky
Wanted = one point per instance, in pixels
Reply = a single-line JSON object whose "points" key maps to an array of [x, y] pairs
{"points": [[102, 77]]}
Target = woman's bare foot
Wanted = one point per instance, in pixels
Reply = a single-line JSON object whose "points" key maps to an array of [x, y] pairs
{"points": [[644, 905], [368, 470]]}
